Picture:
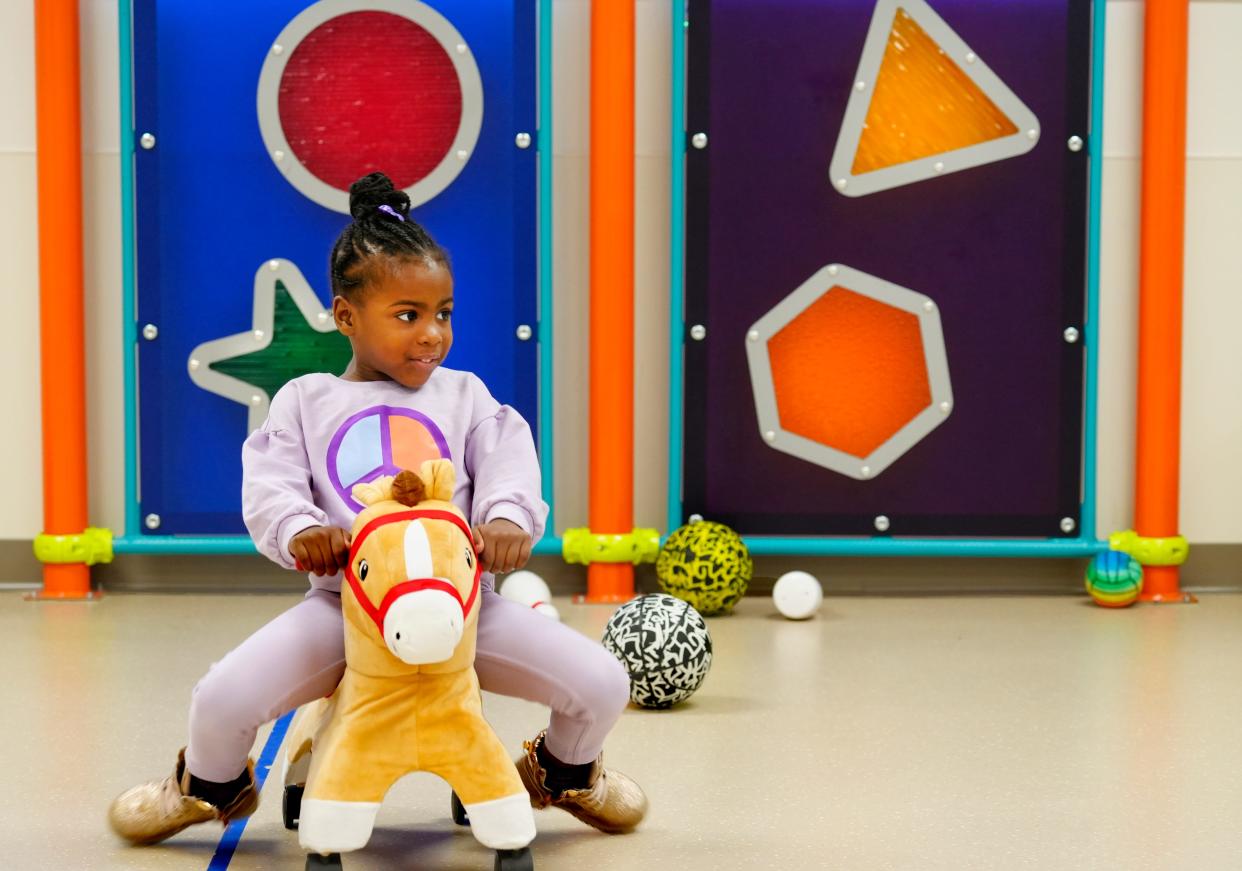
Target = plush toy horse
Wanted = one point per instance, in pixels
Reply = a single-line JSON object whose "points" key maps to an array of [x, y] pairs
{"points": [[409, 700]]}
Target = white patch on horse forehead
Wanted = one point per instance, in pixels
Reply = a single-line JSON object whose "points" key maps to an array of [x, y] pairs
{"points": [[417, 551]]}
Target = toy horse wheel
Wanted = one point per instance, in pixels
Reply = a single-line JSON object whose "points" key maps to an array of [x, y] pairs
{"points": [[514, 860], [459, 812], [315, 862], [292, 804]]}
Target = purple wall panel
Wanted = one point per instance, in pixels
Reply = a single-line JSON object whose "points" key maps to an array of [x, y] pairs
{"points": [[1001, 248]]}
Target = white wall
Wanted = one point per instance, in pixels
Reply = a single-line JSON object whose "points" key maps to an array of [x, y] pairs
{"points": [[1212, 415]]}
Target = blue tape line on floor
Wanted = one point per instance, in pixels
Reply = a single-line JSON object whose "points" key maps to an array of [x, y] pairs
{"points": [[232, 834]]}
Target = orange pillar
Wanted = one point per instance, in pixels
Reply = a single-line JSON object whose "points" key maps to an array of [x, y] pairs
{"points": [[62, 334], [1162, 231], [612, 289]]}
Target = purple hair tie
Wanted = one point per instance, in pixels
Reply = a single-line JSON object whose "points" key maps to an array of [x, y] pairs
{"points": [[390, 210]]}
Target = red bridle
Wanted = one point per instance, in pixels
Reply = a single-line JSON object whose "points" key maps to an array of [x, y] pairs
{"points": [[377, 614]]}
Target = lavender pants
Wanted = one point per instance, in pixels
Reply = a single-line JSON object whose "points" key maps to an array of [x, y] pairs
{"points": [[300, 656]]}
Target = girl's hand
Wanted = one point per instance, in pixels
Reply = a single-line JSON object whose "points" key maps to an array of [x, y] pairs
{"points": [[323, 550], [502, 545]]}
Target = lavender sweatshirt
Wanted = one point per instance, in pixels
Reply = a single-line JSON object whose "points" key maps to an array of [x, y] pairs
{"points": [[323, 435]]}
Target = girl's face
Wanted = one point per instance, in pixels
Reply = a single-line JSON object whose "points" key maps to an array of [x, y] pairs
{"points": [[401, 327]]}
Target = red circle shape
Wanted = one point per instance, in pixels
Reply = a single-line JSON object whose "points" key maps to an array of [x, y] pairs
{"points": [[369, 91]]}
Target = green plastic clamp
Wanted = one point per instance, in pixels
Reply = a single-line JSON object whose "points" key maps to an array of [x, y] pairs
{"points": [[1168, 551], [90, 548], [583, 547]]}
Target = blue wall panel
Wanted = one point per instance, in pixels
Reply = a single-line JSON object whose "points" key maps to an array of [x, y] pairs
{"points": [[211, 207]]}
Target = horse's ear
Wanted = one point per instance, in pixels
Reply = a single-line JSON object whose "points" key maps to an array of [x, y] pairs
{"points": [[440, 478], [408, 489], [379, 490]]}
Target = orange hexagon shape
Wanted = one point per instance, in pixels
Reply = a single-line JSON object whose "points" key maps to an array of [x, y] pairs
{"points": [[849, 371]]}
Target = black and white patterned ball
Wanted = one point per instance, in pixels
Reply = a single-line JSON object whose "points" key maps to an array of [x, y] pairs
{"points": [[665, 647]]}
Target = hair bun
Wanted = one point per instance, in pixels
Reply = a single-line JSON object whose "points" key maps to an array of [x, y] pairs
{"points": [[370, 192]]}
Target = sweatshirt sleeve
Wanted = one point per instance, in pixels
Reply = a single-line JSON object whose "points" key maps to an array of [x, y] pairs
{"points": [[277, 502], [503, 466]]}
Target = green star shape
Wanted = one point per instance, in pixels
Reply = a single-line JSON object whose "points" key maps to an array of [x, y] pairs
{"points": [[293, 334]]}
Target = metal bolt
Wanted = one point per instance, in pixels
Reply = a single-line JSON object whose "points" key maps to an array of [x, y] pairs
{"points": [[834, 269], [462, 154], [699, 140], [1032, 134], [194, 364], [153, 521], [842, 183], [255, 399], [752, 336], [1071, 334], [522, 140], [273, 265], [524, 332], [150, 332], [278, 49], [696, 518], [323, 317], [881, 523], [147, 140], [970, 57], [461, 48], [769, 436], [865, 471], [698, 332], [946, 407], [939, 167], [1075, 143], [258, 335], [1067, 524], [928, 305], [860, 86], [278, 155]]}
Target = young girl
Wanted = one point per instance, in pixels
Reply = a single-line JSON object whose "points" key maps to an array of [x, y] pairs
{"points": [[394, 406]]}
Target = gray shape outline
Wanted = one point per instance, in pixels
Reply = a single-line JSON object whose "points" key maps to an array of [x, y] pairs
{"points": [[258, 337], [934, 353], [301, 25], [924, 168]]}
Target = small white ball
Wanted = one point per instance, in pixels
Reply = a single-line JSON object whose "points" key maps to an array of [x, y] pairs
{"points": [[797, 595], [525, 588], [547, 609]]}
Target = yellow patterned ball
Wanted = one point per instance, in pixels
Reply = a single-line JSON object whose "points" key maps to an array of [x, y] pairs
{"points": [[707, 565]]}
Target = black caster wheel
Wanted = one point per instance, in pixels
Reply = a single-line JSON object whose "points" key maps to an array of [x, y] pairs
{"points": [[515, 860], [459, 812], [315, 862], [292, 805]]}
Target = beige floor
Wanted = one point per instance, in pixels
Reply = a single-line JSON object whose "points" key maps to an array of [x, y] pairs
{"points": [[936, 733]]}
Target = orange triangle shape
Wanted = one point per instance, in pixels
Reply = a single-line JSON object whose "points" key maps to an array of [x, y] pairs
{"points": [[923, 104]]}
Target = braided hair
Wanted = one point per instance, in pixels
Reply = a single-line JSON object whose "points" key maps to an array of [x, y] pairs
{"points": [[382, 227]]}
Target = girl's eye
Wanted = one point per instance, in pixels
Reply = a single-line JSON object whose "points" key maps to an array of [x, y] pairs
{"points": [[363, 569], [446, 314], [408, 317]]}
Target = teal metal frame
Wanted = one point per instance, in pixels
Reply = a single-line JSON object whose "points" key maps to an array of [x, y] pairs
{"points": [[133, 540], [1085, 545]]}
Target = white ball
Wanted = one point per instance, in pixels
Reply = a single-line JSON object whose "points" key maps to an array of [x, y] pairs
{"points": [[547, 609], [525, 588], [797, 595]]}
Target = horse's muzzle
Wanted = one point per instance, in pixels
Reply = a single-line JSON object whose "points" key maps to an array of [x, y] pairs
{"points": [[424, 626]]}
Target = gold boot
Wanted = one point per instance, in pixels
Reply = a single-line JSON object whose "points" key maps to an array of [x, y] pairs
{"points": [[613, 803], [151, 812]]}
